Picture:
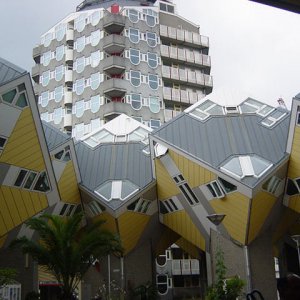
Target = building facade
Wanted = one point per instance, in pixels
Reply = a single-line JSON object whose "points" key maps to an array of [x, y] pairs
{"points": [[134, 57]]}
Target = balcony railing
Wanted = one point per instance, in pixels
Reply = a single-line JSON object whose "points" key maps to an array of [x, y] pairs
{"points": [[181, 95], [192, 77], [184, 36], [185, 267], [185, 55]]}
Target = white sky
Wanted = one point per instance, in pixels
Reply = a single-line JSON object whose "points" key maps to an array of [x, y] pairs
{"points": [[254, 48]]}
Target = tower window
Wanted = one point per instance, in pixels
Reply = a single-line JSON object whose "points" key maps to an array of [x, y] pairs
{"points": [[152, 60], [134, 56], [134, 35], [151, 39], [133, 15], [153, 81], [135, 78]]}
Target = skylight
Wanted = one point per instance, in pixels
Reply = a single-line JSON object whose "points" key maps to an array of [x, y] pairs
{"points": [[254, 106], [207, 108], [272, 118], [242, 166], [116, 189]]}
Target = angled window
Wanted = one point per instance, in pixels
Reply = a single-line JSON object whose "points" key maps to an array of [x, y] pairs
{"points": [[291, 188], [60, 31], [135, 78], [117, 189], [95, 208], [154, 123], [241, 166], [133, 15], [80, 44], [204, 110], [47, 39], [185, 189], [152, 60], [3, 141], [151, 39], [22, 101], [58, 93], [44, 99], [272, 185], [227, 186], [150, 20], [134, 56], [42, 183], [9, 96], [215, 189], [154, 104], [141, 205], [59, 72], [140, 134], [254, 106], [153, 81], [59, 52], [30, 179], [80, 64], [134, 35], [21, 177], [64, 154], [273, 118]]}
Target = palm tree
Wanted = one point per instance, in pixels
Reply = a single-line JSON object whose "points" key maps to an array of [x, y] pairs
{"points": [[67, 249]]}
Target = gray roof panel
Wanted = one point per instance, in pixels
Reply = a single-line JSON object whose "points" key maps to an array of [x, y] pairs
{"points": [[119, 161], [220, 137], [9, 71], [54, 137]]}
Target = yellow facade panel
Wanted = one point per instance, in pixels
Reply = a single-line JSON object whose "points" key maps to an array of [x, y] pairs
{"points": [[131, 226], [294, 203], [188, 248], [194, 174], [110, 221], [18, 198], [261, 206], [28, 203], [36, 202], [165, 184], [43, 200], [181, 223], [235, 206], [5, 213], [294, 163], [67, 185], [23, 147]]}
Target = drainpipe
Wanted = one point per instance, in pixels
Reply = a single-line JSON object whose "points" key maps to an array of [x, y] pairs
{"points": [[108, 268], [122, 272], [248, 271]]}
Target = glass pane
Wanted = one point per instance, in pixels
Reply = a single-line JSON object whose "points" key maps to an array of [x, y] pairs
{"points": [[205, 105], [259, 165], [136, 101], [22, 101], [105, 191], [150, 20], [95, 103], [291, 188], [154, 105], [42, 183], [234, 166], [247, 108], [133, 15], [9, 96], [58, 93], [127, 189], [20, 178], [30, 180]]}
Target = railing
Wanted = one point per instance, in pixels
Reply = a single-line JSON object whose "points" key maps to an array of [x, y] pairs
{"points": [[185, 55], [185, 267], [181, 95], [184, 35]]}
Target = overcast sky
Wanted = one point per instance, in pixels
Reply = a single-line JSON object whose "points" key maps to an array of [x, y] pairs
{"points": [[254, 48]]}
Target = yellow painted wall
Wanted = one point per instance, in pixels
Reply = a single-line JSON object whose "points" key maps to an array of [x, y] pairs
{"points": [[294, 202], [188, 248], [294, 163], [110, 222], [261, 206], [181, 223], [194, 174], [131, 226], [165, 184], [67, 185], [235, 206], [17, 206], [23, 147]]}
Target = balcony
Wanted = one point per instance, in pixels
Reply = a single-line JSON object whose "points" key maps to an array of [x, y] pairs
{"points": [[113, 65], [113, 43], [185, 267], [36, 54], [184, 37], [195, 78], [68, 121], [35, 72], [68, 76], [68, 99], [170, 114], [70, 35], [186, 56], [181, 96], [114, 23], [69, 55], [115, 87]]}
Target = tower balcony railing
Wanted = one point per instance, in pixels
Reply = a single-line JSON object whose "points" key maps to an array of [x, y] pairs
{"points": [[185, 267], [170, 114], [183, 96], [192, 57], [184, 36], [184, 75]]}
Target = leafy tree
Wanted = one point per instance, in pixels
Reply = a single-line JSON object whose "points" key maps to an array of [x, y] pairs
{"points": [[7, 276], [224, 289], [67, 249]]}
